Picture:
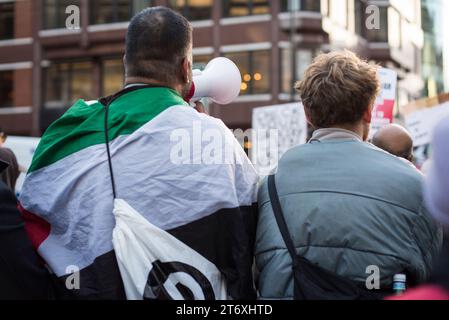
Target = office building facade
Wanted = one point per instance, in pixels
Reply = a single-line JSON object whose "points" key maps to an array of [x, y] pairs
{"points": [[45, 66]]}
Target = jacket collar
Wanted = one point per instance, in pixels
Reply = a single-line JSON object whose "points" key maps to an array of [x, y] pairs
{"points": [[338, 134]]}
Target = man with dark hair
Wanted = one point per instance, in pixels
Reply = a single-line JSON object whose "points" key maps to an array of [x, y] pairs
{"points": [[158, 43], [348, 205], [395, 140], [68, 196]]}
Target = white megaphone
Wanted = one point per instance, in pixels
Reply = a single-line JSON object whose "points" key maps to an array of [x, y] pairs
{"points": [[220, 81]]}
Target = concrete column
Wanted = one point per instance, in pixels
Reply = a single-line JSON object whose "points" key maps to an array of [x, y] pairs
{"points": [[37, 81]]}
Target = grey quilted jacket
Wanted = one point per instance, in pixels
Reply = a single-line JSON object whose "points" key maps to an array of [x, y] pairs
{"points": [[348, 206]]}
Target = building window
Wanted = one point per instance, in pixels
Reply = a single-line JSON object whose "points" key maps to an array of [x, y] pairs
{"points": [[304, 58], [54, 13], [302, 5], [200, 62], [6, 20], [113, 76], [67, 82], [255, 69], [112, 11], [237, 8], [286, 78], [433, 52], [193, 9], [6, 88]]}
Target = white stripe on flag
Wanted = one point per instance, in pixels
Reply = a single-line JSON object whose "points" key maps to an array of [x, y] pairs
{"points": [[74, 194]]}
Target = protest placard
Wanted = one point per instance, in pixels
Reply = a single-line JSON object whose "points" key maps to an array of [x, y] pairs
{"points": [[383, 109], [276, 129]]}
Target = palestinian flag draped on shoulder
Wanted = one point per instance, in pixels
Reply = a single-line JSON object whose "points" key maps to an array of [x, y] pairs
{"points": [[199, 199]]}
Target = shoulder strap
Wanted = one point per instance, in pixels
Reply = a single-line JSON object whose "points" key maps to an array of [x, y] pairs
{"points": [[277, 209], [108, 150], [106, 102]]}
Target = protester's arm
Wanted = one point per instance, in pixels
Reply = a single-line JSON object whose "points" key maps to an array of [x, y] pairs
{"points": [[21, 275]]}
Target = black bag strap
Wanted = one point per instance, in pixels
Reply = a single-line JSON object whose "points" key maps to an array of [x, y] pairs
{"points": [[106, 102], [108, 149], [279, 215]]}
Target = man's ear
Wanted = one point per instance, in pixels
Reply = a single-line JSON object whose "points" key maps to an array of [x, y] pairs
{"points": [[186, 70], [368, 115]]}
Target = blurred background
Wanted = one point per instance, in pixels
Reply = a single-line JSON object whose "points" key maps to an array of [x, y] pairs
{"points": [[45, 67]]}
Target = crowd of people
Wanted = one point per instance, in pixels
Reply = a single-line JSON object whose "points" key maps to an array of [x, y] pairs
{"points": [[336, 208]]}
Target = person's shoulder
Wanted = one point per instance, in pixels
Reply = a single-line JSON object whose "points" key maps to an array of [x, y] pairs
{"points": [[209, 120], [403, 171], [8, 156], [192, 116], [6, 152], [303, 151], [7, 197], [84, 105]]}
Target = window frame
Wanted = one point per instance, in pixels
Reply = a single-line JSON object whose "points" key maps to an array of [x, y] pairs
{"points": [[49, 104], [251, 67], [226, 9], [9, 104], [115, 11], [185, 10], [302, 4]]}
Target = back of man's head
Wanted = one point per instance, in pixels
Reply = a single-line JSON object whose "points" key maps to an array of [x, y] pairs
{"points": [[396, 140], [338, 88], [157, 41]]}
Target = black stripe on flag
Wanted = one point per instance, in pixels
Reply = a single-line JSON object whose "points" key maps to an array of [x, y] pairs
{"points": [[225, 238]]}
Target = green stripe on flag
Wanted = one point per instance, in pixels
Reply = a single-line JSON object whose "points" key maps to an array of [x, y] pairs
{"points": [[82, 126]]}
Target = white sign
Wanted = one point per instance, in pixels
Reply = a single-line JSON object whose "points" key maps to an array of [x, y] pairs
{"points": [[422, 123], [23, 148], [287, 122]]}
